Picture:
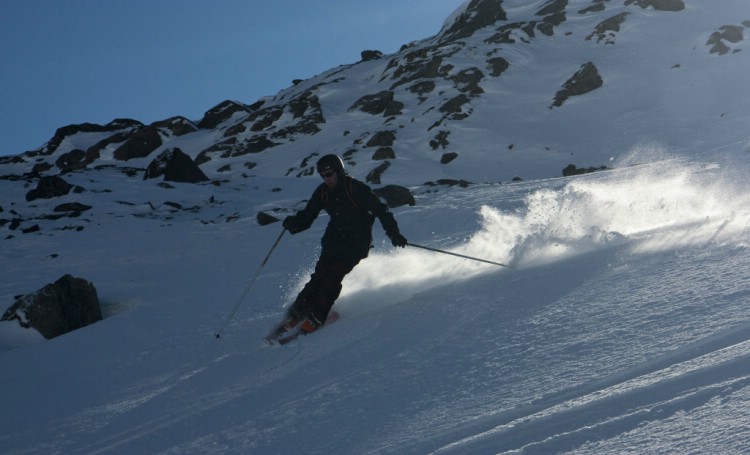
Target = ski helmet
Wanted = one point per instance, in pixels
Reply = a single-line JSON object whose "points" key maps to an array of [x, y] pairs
{"points": [[329, 163]]}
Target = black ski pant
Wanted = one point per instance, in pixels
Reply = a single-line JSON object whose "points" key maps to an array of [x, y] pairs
{"points": [[324, 287]]}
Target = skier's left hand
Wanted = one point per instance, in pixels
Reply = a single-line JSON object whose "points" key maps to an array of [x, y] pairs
{"points": [[290, 224], [398, 240]]}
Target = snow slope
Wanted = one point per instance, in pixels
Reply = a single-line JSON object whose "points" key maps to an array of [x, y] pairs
{"points": [[622, 326]]}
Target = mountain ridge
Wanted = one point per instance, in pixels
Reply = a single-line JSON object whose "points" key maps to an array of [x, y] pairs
{"points": [[425, 95]]}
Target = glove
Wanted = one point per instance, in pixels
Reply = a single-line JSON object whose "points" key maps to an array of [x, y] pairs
{"points": [[290, 224], [398, 240]]}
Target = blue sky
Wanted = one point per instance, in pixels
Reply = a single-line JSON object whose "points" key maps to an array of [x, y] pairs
{"points": [[74, 61]]}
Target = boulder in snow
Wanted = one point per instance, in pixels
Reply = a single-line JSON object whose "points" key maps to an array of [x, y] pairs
{"points": [[175, 166], [395, 196], [49, 187], [60, 307]]}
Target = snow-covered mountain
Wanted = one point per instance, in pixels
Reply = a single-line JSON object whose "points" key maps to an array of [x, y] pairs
{"points": [[621, 325], [505, 89]]}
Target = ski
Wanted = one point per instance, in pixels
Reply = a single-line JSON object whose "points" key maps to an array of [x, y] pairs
{"points": [[291, 329], [291, 337], [282, 330]]}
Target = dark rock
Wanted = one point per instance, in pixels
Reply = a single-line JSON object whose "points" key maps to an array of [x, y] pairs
{"points": [[304, 105], [221, 113], [605, 30], [72, 207], [730, 33], [179, 126], [597, 7], [448, 157], [140, 144], [379, 103], [720, 48], [450, 182], [420, 65], [175, 166], [395, 196], [368, 55], [382, 139], [478, 14], [583, 81], [504, 35], [174, 205], [94, 152], [49, 187], [265, 219], [307, 112], [262, 119], [659, 5], [498, 66], [553, 7], [454, 106], [384, 153], [374, 175], [256, 144], [467, 81], [61, 133], [31, 229], [73, 160], [441, 140], [13, 159], [223, 147], [68, 304], [554, 12], [454, 109], [571, 169], [40, 168], [423, 87]]}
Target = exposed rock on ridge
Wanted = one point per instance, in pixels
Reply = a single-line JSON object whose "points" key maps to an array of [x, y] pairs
{"points": [[435, 84], [583, 81], [175, 166], [477, 15]]}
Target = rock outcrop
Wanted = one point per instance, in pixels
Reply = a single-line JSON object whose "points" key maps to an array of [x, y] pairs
{"points": [[58, 308], [585, 80], [175, 166]]}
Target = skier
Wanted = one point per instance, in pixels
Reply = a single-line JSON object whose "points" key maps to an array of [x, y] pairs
{"points": [[352, 207]]}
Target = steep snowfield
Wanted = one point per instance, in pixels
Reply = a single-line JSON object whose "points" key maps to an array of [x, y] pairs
{"points": [[621, 325]]}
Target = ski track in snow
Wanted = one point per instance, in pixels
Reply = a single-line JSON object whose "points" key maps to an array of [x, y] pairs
{"points": [[685, 380]]}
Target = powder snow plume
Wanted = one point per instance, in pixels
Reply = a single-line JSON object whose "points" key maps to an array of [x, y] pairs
{"points": [[658, 206], [667, 204]]}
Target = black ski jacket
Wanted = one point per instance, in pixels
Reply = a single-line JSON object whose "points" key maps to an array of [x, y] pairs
{"points": [[352, 207]]}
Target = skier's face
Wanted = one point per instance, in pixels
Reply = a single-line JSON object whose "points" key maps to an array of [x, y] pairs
{"points": [[330, 178]]}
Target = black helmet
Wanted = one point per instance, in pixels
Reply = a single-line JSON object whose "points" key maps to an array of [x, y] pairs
{"points": [[329, 163]]}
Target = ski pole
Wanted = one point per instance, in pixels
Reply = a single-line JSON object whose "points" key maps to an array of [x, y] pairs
{"points": [[457, 255], [249, 285]]}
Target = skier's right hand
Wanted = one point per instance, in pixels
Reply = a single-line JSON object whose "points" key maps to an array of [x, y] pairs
{"points": [[290, 224]]}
